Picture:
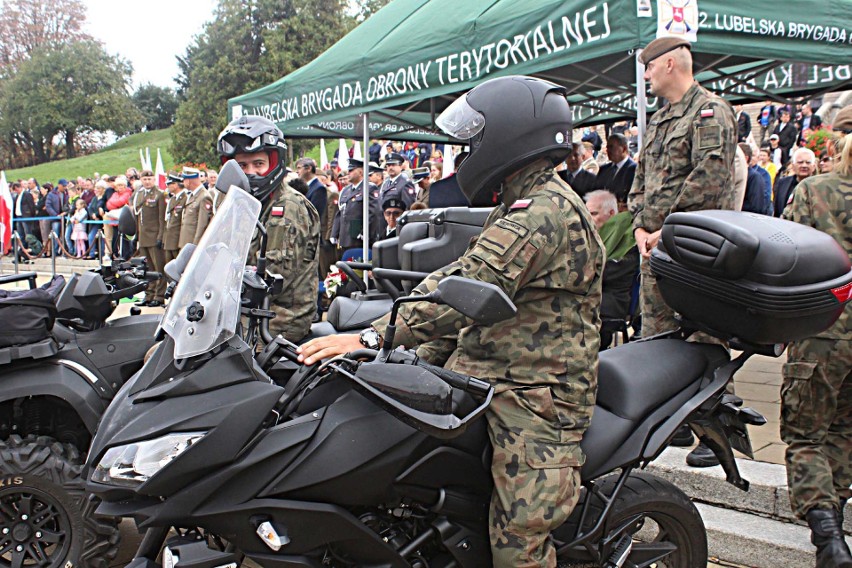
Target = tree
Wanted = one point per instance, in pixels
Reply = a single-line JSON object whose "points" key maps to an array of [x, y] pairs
{"points": [[63, 91], [157, 105], [248, 44], [27, 26]]}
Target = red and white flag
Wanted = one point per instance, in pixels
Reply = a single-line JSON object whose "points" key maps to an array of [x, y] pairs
{"points": [[6, 214], [323, 155], [160, 173]]}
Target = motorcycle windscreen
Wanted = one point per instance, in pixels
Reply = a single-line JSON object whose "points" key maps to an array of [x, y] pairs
{"points": [[205, 308]]}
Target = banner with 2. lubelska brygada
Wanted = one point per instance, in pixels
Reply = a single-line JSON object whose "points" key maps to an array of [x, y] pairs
{"points": [[412, 58]]}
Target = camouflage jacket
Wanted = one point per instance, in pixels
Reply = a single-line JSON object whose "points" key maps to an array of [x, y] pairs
{"points": [[545, 254], [824, 202], [687, 161], [293, 228]]}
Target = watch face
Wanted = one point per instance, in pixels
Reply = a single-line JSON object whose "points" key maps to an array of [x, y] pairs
{"points": [[369, 338]]}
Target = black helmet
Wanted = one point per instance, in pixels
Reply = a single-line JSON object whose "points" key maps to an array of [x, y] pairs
{"points": [[252, 134], [509, 122]]}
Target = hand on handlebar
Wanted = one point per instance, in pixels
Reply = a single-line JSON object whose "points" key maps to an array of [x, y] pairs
{"points": [[329, 346]]}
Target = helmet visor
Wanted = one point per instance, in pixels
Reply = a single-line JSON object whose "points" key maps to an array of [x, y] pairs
{"points": [[460, 120]]}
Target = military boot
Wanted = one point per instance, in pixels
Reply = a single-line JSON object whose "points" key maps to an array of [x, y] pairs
{"points": [[827, 536]]}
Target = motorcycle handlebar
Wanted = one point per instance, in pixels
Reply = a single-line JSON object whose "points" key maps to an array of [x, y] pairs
{"points": [[466, 383]]}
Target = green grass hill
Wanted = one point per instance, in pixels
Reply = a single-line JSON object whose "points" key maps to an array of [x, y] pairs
{"points": [[114, 159]]}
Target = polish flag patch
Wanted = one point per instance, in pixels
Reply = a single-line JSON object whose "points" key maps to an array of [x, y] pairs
{"points": [[208, 206], [707, 113], [521, 204], [277, 211]]}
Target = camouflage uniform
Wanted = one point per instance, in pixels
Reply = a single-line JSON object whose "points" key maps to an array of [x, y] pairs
{"points": [[816, 396], [686, 164], [544, 252], [293, 227]]}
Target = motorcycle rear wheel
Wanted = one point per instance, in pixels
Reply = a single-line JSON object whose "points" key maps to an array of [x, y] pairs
{"points": [[662, 515]]}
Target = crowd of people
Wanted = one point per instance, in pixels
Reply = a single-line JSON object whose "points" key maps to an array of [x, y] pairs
{"points": [[699, 153]]}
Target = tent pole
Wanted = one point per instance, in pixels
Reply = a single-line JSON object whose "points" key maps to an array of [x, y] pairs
{"points": [[365, 156], [641, 101]]}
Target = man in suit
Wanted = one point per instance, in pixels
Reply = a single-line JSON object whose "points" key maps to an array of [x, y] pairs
{"points": [[743, 124], [809, 122], [197, 210], [23, 206], [580, 180], [447, 193], [617, 175], [317, 195], [804, 164], [787, 135]]}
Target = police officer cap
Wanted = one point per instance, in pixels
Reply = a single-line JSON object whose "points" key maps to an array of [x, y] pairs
{"points": [[661, 46], [191, 173], [393, 200], [419, 174], [394, 158], [355, 164], [843, 120], [375, 168]]}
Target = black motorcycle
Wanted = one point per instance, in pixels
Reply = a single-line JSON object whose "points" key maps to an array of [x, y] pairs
{"points": [[58, 377], [380, 459]]}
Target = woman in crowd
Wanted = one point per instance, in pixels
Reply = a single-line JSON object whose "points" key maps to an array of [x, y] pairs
{"points": [[41, 211]]}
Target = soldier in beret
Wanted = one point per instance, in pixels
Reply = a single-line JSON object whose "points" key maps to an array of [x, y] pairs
{"points": [[149, 205], [686, 164]]}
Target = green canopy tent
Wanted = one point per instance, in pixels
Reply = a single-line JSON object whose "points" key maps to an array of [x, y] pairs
{"points": [[405, 64]]}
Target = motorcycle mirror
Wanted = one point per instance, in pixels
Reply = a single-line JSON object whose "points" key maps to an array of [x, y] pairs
{"points": [[232, 174], [482, 302], [174, 268], [127, 221]]}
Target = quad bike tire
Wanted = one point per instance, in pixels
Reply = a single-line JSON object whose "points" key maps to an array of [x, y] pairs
{"points": [[46, 517], [662, 513]]}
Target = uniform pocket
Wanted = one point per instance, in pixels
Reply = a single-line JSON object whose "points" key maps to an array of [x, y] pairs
{"points": [[799, 370], [544, 454], [796, 396]]}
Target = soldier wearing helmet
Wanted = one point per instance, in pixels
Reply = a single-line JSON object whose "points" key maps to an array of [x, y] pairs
{"points": [[540, 246], [292, 223]]}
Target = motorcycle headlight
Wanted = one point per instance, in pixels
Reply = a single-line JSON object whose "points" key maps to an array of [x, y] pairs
{"points": [[133, 464]]}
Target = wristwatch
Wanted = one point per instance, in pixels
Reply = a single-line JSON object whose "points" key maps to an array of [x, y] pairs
{"points": [[370, 338]]}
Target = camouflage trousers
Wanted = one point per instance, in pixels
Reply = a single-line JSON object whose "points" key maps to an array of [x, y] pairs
{"points": [[536, 471], [156, 290], [816, 422], [657, 316]]}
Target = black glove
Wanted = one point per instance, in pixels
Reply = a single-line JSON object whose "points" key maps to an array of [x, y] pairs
{"points": [[159, 244]]}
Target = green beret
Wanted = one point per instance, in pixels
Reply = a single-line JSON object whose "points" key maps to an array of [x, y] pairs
{"points": [[661, 46], [843, 120]]}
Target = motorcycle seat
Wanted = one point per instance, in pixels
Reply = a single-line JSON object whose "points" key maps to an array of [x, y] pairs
{"points": [[348, 314], [636, 378]]}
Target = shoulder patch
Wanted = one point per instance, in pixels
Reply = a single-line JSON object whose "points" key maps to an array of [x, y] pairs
{"points": [[521, 204], [709, 137], [277, 212]]}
